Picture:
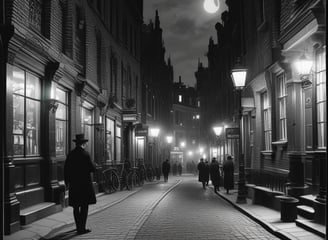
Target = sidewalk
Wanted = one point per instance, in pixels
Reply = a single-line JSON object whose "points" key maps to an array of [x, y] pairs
{"points": [[269, 219], [44, 226]]}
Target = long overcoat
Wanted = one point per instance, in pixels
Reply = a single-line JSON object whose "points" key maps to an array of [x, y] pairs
{"points": [[77, 173], [215, 173], [166, 168], [228, 170], [203, 175]]}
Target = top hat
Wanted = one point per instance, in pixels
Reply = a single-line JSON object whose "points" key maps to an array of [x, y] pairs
{"points": [[79, 138]]}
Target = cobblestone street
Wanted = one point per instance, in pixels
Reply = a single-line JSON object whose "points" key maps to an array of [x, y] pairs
{"points": [[179, 209]]}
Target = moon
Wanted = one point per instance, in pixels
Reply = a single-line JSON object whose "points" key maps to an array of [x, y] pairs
{"points": [[211, 6]]}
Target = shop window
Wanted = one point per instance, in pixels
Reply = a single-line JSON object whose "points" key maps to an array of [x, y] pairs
{"points": [[87, 125], [61, 122], [110, 140], [282, 100], [266, 111], [321, 99], [26, 112], [118, 140]]}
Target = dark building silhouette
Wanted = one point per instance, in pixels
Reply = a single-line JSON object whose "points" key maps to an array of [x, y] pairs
{"points": [[157, 81]]}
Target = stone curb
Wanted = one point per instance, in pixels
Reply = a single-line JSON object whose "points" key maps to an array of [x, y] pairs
{"points": [[269, 227]]}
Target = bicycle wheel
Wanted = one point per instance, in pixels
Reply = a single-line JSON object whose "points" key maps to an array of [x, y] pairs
{"points": [[111, 181]]}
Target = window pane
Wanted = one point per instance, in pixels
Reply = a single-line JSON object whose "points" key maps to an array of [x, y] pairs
{"points": [[118, 149], [61, 137], [61, 112], [33, 88], [322, 136], [18, 144], [321, 112], [61, 95], [18, 81], [18, 114], [109, 139], [32, 127], [118, 131]]}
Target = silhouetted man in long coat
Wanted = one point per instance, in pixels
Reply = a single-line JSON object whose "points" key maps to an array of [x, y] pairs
{"points": [[203, 172], [77, 172], [228, 169], [166, 169], [215, 174]]}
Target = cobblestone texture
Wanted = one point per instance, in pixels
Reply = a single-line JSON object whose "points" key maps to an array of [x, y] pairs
{"points": [[155, 212]]}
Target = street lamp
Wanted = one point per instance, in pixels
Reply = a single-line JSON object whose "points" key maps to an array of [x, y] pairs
{"points": [[238, 75], [218, 130], [169, 139]]}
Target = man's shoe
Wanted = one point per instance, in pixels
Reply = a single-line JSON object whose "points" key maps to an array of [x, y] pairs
{"points": [[83, 231]]}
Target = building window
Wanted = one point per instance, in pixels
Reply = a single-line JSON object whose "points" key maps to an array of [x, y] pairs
{"points": [[118, 144], [266, 110], [26, 112], [110, 140], [61, 122], [282, 100], [180, 98], [87, 125], [35, 14], [321, 99]]}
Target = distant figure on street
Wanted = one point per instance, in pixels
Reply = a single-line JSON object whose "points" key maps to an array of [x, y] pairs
{"points": [[180, 169], [77, 174], [215, 174], [202, 172], [208, 172], [166, 169], [228, 170]]}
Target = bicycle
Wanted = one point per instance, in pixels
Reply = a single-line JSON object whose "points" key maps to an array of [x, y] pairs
{"points": [[150, 174], [111, 180], [133, 179]]}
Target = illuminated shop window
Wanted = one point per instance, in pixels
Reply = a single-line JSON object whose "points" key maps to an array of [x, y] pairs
{"points": [[26, 112], [87, 125], [61, 121]]}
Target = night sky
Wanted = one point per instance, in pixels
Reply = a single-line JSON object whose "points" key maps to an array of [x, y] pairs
{"points": [[187, 28]]}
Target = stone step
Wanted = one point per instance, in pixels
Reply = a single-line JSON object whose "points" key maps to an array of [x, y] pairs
{"points": [[312, 226], [38, 211], [305, 211], [307, 200]]}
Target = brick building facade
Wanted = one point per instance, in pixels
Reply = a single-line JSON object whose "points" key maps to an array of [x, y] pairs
{"points": [[70, 67]]}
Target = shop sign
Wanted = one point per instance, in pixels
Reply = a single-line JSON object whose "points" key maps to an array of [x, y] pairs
{"points": [[232, 133]]}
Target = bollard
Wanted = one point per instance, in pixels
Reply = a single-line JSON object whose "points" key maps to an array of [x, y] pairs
{"points": [[288, 210]]}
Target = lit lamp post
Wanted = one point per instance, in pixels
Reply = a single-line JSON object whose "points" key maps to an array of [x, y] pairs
{"points": [[218, 130], [153, 132], [238, 75]]}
